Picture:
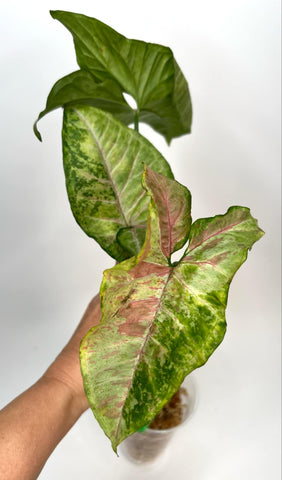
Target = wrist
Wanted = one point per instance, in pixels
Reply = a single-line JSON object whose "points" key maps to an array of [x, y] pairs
{"points": [[67, 378]]}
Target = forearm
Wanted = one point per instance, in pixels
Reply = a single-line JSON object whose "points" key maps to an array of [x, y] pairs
{"points": [[33, 424]]}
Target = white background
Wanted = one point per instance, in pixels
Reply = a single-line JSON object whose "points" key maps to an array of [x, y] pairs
{"points": [[230, 53]]}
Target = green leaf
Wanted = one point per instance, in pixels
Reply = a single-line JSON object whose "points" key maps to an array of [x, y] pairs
{"points": [[81, 88], [104, 163], [131, 239], [161, 322], [146, 71]]}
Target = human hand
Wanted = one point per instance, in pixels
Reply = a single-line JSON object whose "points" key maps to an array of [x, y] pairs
{"points": [[66, 367]]}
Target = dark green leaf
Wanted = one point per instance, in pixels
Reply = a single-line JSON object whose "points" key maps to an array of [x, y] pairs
{"points": [[131, 239], [81, 88], [146, 71]]}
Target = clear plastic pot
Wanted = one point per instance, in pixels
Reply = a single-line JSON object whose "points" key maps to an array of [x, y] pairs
{"points": [[145, 447]]}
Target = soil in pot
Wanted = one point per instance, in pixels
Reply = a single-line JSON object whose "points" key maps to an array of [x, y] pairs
{"points": [[173, 412], [145, 446]]}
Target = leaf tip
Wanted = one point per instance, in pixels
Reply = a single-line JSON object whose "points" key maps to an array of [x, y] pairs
{"points": [[56, 14], [36, 131], [114, 447], [53, 13], [147, 173]]}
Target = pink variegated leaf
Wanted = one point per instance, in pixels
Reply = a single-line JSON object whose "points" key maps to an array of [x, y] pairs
{"points": [[160, 321], [173, 202]]}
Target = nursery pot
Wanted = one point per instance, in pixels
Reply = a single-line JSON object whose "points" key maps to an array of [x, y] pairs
{"points": [[146, 446]]}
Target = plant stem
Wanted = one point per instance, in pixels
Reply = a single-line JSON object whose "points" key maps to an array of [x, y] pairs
{"points": [[136, 121]]}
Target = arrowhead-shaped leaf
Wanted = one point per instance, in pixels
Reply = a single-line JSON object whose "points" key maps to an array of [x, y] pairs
{"points": [[159, 321], [81, 88], [173, 202], [104, 163], [146, 71]]}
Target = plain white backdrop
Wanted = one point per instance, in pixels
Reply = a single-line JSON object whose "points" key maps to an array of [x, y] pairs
{"points": [[230, 53]]}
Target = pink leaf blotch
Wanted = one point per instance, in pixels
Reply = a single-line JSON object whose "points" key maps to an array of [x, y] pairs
{"points": [[173, 202], [160, 321]]}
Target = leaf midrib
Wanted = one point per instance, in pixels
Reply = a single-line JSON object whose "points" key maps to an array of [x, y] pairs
{"points": [[109, 173], [90, 130], [144, 344], [219, 232]]}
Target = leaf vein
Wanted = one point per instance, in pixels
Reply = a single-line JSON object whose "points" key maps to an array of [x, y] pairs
{"points": [[104, 160]]}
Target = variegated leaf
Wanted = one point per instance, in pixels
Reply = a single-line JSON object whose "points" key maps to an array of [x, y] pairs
{"points": [[104, 163], [173, 202], [159, 321]]}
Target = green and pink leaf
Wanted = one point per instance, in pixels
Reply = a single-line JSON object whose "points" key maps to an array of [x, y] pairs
{"points": [[159, 321], [173, 202]]}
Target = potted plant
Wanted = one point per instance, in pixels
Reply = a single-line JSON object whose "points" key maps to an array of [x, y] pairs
{"points": [[161, 319]]}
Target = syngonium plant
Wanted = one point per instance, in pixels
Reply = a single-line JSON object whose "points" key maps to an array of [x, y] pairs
{"points": [[160, 319]]}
